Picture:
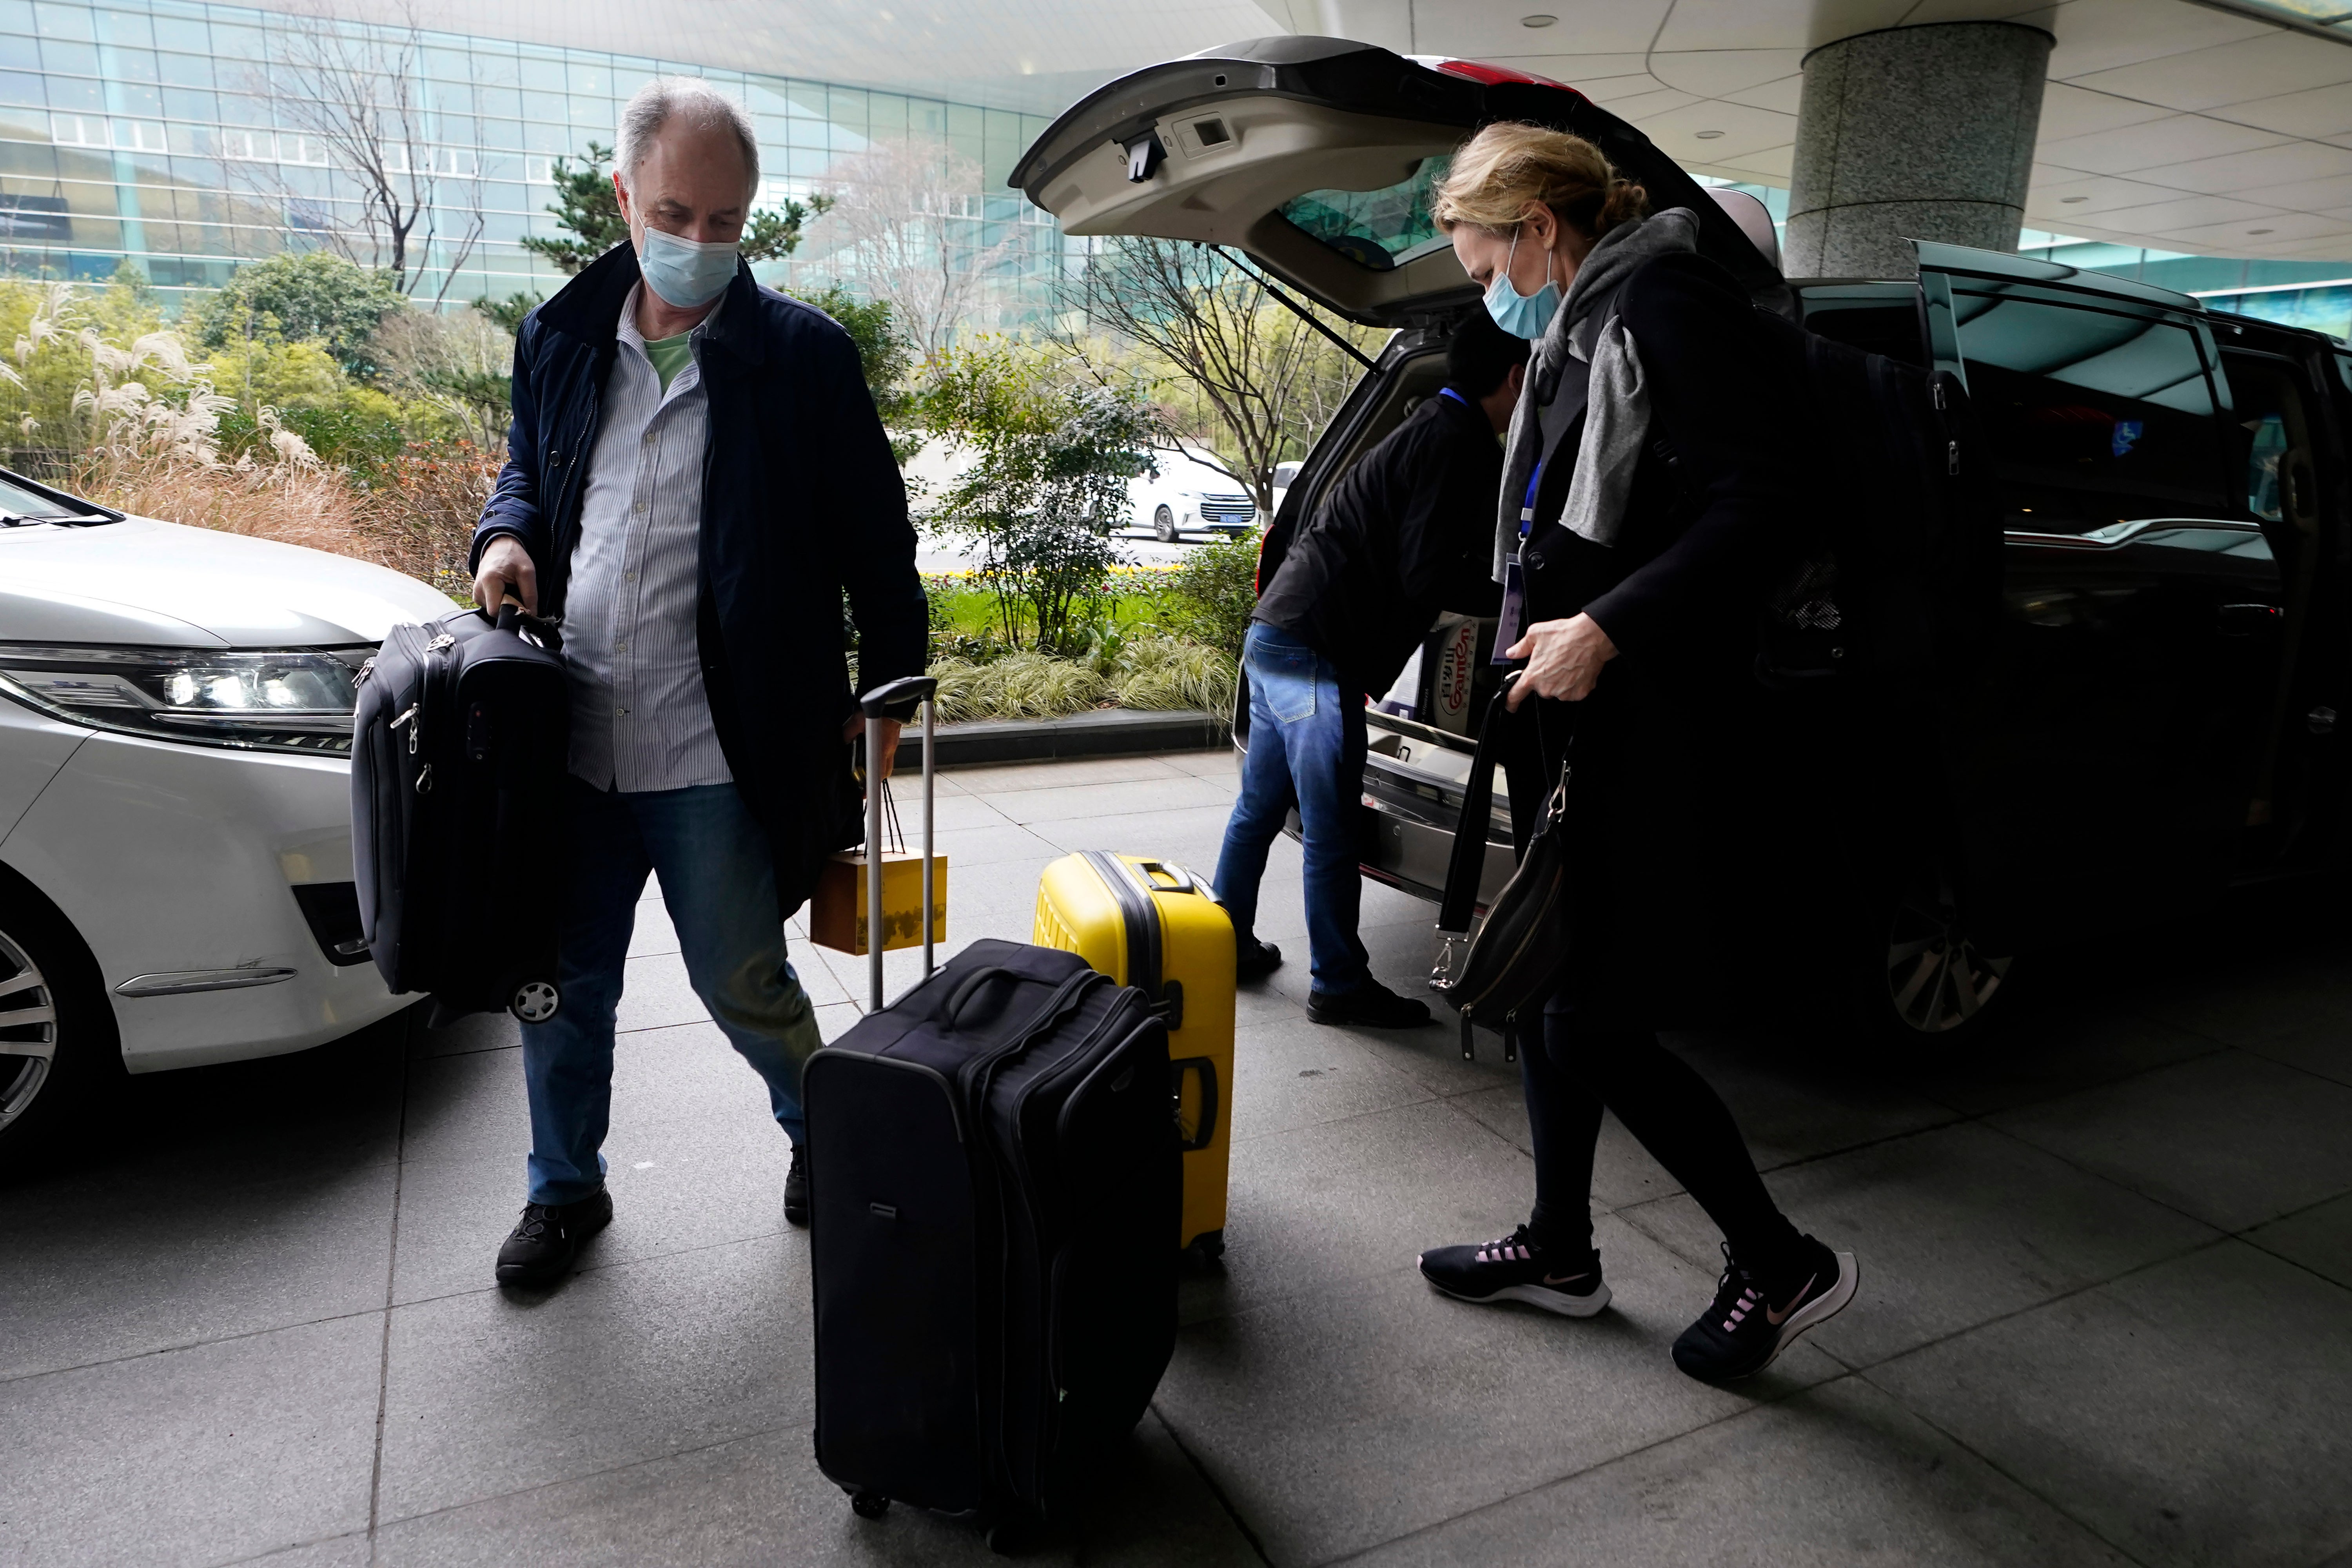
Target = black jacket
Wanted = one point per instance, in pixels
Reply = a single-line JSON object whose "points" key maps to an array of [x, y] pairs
{"points": [[1666, 796], [1409, 531], [801, 500]]}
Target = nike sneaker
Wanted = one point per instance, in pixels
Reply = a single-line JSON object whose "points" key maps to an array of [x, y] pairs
{"points": [[1516, 1268], [1753, 1320]]}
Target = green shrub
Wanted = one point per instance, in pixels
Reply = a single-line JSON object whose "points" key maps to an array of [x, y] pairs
{"points": [[1209, 597]]}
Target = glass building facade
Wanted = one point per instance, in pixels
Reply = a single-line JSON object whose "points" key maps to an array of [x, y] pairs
{"points": [[172, 134]]}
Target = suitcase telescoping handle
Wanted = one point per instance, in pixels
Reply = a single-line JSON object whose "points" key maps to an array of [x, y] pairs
{"points": [[908, 690]]}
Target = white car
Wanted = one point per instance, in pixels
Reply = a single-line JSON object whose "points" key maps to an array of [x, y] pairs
{"points": [[1189, 496], [1285, 476], [175, 847]]}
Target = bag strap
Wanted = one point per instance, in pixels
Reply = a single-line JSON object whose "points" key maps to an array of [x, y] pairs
{"points": [[1469, 857]]}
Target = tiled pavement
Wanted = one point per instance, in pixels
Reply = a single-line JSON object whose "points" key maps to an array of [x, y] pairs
{"points": [[2107, 1307]]}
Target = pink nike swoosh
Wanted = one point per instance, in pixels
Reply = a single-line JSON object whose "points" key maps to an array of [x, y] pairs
{"points": [[1565, 1278], [1776, 1319]]}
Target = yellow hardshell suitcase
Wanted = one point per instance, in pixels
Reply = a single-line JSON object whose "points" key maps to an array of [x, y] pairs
{"points": [[1149, 925]]}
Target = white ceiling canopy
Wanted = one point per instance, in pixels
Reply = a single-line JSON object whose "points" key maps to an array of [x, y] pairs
{"points": [[2213, 128]]}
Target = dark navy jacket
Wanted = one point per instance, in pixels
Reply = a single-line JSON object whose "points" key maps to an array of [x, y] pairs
{"points": [[801, 500]]}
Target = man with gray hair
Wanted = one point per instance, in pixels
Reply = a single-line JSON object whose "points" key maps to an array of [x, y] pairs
{"points": [[695, 477]]}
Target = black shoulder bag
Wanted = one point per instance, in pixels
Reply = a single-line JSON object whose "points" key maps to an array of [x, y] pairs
{"points": [[1516, 954]]}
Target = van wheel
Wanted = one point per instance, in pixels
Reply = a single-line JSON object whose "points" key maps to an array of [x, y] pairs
{"points": [[1163, 526], [56, 1032], [1930, 977]]}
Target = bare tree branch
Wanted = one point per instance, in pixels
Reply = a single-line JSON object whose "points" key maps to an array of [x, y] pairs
{"points": [[1237, 364], [907, 226], [357, 95]]}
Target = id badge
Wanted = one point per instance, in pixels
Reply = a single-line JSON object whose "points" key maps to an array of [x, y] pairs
{"points": [[1515, 608]]}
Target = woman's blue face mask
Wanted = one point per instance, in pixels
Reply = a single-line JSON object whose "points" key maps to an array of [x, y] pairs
{"points": [[1521, 315]]}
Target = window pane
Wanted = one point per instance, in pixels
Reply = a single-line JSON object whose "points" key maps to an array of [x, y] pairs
{"points": [[1380, 229], [2095, 417]]}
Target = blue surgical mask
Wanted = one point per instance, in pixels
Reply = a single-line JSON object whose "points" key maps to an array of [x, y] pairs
{"points": [[1521, 315], [685, 273]]}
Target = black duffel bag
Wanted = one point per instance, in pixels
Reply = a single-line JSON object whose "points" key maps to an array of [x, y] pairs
{"points": [[1514, 961]]}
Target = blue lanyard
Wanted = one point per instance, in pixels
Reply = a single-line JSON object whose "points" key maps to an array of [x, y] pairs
{"points": [[1449, 391], [1528, 506]]}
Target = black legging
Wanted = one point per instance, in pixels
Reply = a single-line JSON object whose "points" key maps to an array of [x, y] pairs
{"points": [[1574, 1070]]}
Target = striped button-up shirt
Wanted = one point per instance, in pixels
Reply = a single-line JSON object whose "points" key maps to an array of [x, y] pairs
{"points": [[640, 718]]}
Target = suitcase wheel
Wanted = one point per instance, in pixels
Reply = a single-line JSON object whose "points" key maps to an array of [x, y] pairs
{"points": [[868, 1505], [535, 1002], [1210, 1245]]}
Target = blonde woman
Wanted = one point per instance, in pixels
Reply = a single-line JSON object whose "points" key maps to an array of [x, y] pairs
{"points": [[1648, 498]]}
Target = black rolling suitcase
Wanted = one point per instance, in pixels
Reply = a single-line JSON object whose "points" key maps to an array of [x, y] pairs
{"points": [[994, 1174], [458, 751]]}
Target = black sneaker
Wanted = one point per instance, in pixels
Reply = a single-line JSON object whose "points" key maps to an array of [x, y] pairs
{"points": [[1255, 960], [545, 1242], [1753, 1321], [1375, 1006], [1514, 1268], [796, 1192]]}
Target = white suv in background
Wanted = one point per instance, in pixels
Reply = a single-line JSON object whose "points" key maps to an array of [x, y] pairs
{"points": [[175, 852], [1188, 495]]}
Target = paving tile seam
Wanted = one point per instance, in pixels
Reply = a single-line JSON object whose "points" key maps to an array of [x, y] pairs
{"points": [[2220, 1047], [1988, 1462], [1210, 1481], [584, 1269], [7, 1379], [1759, 1402], [1290, 1296], [2247, 1236], [663, 1459], [2219, 1239], [265, 1556], [2062, 1158], [383, 1350]]}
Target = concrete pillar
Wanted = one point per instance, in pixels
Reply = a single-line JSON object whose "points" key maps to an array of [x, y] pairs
{"points": [[1910, 133]]}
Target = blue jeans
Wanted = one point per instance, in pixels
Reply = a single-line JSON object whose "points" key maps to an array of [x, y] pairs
{"points": [[721, 888], [1306, 750]]}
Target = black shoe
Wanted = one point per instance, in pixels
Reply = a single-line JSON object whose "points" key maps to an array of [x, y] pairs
{"points": [[545, 1242], [1514, 1268], [1754, 1320], [796, 1192], [1255, 960], [1375, 1006]]}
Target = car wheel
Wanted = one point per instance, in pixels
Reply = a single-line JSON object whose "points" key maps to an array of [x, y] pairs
{"points": [[1929, 975], [56, 1032], [1163, 526]]}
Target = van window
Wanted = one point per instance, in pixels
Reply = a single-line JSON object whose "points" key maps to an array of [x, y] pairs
{"points": [[1380, 230], [1892, 329], [2096, 416]]}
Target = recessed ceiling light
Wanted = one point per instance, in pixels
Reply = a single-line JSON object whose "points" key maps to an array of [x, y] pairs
{"points": [[1709, 135], [2261, 231], [2069, 201], [1538, 21]]}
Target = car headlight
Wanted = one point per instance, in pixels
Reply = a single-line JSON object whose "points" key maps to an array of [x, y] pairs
{"points": [[291, 700]]}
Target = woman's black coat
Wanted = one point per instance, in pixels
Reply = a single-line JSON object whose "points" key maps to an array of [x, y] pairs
{"points": [[1659, 797]]}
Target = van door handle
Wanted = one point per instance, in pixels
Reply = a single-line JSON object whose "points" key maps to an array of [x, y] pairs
{"points": [[2245, 620]]}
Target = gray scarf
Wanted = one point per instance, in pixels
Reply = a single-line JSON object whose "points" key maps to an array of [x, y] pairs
{"points": [[1586, 363]]}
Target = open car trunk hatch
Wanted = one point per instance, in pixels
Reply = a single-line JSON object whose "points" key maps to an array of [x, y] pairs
{"points": [[1318, 156]]}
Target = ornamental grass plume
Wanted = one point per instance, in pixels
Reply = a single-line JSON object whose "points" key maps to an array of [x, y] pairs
{"points": [[1165, 674], [1018, 686]]}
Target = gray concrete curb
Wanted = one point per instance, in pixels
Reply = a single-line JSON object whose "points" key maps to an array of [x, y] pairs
{"points": [[1105, 733]]}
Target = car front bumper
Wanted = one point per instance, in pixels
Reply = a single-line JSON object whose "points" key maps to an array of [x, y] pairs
{"points": [[177, 864]]}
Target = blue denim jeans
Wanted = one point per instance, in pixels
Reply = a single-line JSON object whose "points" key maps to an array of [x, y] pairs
{"points": [[1306, 750], [720, 889]]}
